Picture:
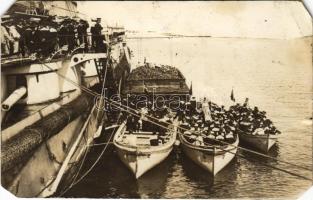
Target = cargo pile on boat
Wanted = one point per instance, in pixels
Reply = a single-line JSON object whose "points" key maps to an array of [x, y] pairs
{"points": [[151, 71], [209, 133]]}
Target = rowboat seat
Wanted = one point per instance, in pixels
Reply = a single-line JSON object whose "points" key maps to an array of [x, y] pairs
{"points": [[140, 140], [140, 133]]}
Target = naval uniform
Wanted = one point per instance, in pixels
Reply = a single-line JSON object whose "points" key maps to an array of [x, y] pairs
{"points": [[82, 34]]}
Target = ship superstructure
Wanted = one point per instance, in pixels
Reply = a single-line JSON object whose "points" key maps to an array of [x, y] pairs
{"points": [[50, 75]]}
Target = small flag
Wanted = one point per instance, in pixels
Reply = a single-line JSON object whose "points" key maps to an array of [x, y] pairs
{"points": [[232, 97], [190, 89]]}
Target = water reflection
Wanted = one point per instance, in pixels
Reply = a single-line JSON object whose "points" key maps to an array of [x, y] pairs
{"points": [[179, 177], [152, 183], [252, 157], [194, 172]]}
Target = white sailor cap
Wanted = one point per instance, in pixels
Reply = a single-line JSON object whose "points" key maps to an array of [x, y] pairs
{"points": [[215, 129]]}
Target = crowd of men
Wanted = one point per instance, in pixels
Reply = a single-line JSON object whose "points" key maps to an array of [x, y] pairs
{"points": [[204, 122], [44, 36], [209, 121], [253, 121]]}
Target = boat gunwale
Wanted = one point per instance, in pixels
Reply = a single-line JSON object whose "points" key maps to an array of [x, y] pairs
{"points": [[265, 136], [212, 149], [146, 149]]}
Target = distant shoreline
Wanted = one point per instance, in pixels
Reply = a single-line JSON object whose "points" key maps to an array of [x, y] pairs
{"points": [[167, 36]]}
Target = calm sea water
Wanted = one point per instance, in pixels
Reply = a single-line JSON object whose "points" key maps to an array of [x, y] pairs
{"points": [[276, 75]]}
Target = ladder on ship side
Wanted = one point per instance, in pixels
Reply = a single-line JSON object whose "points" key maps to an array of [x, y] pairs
{"points": [[101, 65]]}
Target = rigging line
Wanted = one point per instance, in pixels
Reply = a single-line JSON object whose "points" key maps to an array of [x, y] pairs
{"points": [[283, 170], [268, 165], [245, 149], [119, 106], [106, 69], [80, 166], [251, 151], [92, 93], [77, 12], [50, 183], [242, 148], [104, 79], [68, 8], [94, 164], [83, 161], [100, 144], [87, 172]]}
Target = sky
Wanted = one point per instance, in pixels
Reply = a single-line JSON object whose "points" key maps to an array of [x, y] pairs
{"points": [[263, 19]]}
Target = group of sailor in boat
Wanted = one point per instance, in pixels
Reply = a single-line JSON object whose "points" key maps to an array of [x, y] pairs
{"points": [[253, 121], [209, 124], [215, 122], [202, 125]]}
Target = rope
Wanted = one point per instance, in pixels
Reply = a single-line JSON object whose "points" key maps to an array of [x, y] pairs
{"points": [[267, 165], [283, 170], [83, 160], [81, 165], [93, 165], [104, 80], [54, 6], [128, 108], [100, 144], [100, 155], [245, 149]]}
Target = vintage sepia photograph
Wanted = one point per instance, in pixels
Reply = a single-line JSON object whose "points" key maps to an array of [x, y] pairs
{"points": [[156, 99]]}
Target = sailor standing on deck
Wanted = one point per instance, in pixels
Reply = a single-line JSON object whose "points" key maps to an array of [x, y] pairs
{"points": [[37, 40], [21, 27], [45, 39], [62, 32], [71, 36], [5, 39], [53, 35], [96, 35], [27, 36], [14, 46], [82, 33]]}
